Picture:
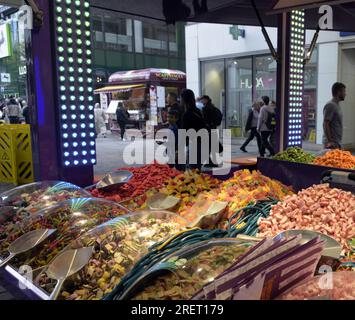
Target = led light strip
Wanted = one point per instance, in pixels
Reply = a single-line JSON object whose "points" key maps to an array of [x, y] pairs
{"points": [[75, 82], [296, 78]]}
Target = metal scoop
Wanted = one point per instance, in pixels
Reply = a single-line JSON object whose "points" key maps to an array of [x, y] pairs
{"points": [[113, 179], [161, 201], [206, 213], [66, 264], [332, 247], [26, 242]]}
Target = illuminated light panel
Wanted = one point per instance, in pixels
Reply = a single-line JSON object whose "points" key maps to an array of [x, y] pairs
{"points": [[74, 58], [296, 78]]}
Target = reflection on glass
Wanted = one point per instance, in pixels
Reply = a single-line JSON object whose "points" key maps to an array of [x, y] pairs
{"points": [[239, 93], [213, 81]]}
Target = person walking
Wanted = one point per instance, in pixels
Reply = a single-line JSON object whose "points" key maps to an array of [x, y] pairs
{"points": [[213, 118], [251, 125], [26, 112], [272, 138], [193, 119], [333, 118], [122, 119], [100, 118], [267, 113], [173, 105], [13, 111]]}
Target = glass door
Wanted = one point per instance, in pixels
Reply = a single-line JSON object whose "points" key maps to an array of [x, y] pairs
{"points": [[239, 93]]}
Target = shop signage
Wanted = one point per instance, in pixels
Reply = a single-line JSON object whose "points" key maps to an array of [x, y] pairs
{"points": [[246, 83], [5, 77], [236, 32], [5, 41], [347, 34], [161, 97], [103, 101], [169, 76], [22, 70]]}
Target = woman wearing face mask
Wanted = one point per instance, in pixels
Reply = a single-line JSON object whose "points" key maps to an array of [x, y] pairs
{"points": [[199, 103]]}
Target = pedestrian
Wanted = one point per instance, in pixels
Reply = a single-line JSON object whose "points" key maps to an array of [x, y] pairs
{"points": [[173, 117], [13, 111], [26, 112], [273, 126], [100, 118], [122, 119], [193, 119], [199, 103], [333, 118], [267, 113], [251, 126], [173, 105], [213, 118]]}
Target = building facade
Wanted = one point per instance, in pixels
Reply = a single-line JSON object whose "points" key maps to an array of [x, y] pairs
{"points": [[120, 43], [124, 43], [236, 68]]}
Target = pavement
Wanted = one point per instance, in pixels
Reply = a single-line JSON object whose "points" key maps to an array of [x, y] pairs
{"points": [[110, 152]]}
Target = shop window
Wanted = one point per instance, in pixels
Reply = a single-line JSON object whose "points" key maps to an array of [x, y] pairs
{"points": [[173, 43], [118, 33], [98, 32], [309, 112], [239, 93], [213, 81], [155, 38], [265, 77]]}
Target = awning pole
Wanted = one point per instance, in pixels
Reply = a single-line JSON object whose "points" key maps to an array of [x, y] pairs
{"points": [[266, 35]]}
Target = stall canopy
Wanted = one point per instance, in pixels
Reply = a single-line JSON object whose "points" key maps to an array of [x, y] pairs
{"points": [[146, 76], [237, 12], [110, 89]]}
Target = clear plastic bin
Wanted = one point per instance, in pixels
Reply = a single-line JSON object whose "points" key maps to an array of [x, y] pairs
{"points": [[71, 219], [118, 244], [182, 275]]}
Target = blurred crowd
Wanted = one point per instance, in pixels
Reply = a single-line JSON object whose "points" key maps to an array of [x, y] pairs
{"points": [[14, 111]]}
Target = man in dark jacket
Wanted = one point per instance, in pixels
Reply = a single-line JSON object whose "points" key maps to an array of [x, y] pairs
{"points": [[213, 118], [122, 119], [173, 105]]}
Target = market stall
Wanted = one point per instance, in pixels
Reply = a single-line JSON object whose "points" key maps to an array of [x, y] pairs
{"points": [[143, 94], [301, 169], [136, 242]]}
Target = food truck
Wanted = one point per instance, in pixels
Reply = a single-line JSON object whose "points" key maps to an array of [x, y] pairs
{"points": [[143, 93]]}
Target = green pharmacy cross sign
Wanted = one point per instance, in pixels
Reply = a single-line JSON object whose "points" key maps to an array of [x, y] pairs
{"points": [[236, 32]]}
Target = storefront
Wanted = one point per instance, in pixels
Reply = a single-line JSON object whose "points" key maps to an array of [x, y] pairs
{"points": [[236, 72], [13, 68]]}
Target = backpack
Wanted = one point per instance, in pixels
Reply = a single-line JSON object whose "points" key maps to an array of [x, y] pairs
{"points": [[249, 121], [271, 120], [218, 117]]}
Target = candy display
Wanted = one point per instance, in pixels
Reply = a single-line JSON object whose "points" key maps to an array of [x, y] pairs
{"points": [[246, 187], [144, 178], [337, 159], [37, 196], [331, 286], [181, 276], [118, 246], [187, 186], [70, 219], [295, 154], [319, 208]]}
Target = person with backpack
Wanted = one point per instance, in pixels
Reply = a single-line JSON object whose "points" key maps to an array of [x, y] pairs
{"points": [[251, 126], [193, 119], [213, 119], [266, 116], [122, 119]]}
